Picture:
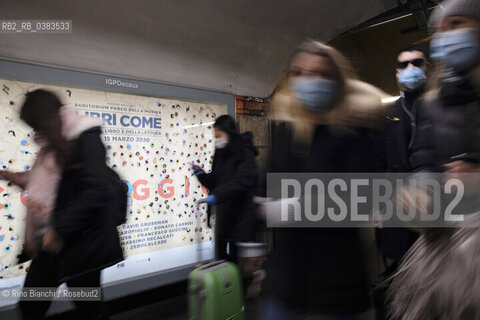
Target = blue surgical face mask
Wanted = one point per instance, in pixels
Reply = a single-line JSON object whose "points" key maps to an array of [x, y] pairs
{"points": [[412, 77], [457, 48], [315, 93]]}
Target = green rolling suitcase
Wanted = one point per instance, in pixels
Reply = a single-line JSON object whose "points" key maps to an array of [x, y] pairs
{"points": [[215, 292]]}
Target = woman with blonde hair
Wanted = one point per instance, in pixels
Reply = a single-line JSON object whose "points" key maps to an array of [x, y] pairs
{"points": [[323, 120]]}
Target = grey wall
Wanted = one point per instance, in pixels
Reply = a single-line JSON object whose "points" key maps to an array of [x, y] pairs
{"points": [[239, 47]]}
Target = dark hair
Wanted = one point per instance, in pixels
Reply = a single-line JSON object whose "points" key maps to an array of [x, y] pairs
{"points": [[410, 49], [227, 124], [41, 111]]}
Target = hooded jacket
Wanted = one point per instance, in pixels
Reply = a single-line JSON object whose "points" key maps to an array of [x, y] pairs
{"points": [[233, 181]]}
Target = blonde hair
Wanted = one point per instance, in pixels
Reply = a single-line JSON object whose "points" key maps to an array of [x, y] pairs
{"points": [[359, 104]]}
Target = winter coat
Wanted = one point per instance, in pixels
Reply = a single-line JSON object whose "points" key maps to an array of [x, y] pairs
{"points": [[399, 136], [82, 215], [233, 181], [400, 132], [321, 269], [446, 127], [437, 279]]}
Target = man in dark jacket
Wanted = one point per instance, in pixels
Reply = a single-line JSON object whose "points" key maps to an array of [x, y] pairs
{"points": [[411, 77], [400, 132], [232, 185], [399, 135]]}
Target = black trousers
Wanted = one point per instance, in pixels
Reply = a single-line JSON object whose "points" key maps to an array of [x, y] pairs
{"points": [[221, 245], [43, 273]]}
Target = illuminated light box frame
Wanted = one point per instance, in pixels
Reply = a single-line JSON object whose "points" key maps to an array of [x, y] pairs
{"points": [[135, 273]]}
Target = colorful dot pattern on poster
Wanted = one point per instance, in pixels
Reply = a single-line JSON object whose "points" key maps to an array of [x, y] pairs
{"points": [[150, 142]]}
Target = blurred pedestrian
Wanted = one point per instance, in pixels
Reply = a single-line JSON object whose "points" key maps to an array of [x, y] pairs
{"points": [[411, 74], [323, 120], [232, 184], [438, 278], [79, 237]]}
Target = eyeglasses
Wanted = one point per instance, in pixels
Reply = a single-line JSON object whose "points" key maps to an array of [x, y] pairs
{"points": [[416, 63]]}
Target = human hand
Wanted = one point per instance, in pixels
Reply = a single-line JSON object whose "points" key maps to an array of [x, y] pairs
{"points": [[7, 175], [462, 170], [197, 170], [18, 178], [52, 242], [277, 212], [461, 166]]}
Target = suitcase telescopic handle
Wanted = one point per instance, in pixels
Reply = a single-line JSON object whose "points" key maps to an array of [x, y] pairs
{"points": [[211, 264]]}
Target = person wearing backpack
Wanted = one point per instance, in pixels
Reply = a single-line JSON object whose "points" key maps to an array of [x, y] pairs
{"points": [[232, 185], [79, 237]]}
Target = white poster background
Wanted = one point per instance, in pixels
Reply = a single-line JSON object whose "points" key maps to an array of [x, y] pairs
{"points": [[150, 142]]}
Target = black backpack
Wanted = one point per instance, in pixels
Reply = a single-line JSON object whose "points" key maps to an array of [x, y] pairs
{"points": [[118, 198]]}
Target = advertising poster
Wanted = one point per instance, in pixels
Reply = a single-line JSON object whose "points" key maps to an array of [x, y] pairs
{"points": [[151, 143]]}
